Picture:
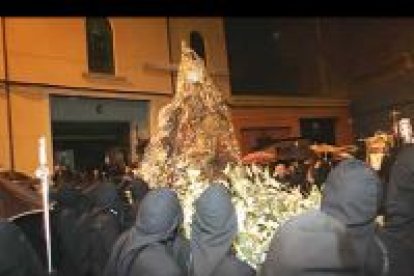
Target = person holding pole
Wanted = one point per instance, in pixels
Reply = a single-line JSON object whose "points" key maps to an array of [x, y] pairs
{"points": [[43, 174]]}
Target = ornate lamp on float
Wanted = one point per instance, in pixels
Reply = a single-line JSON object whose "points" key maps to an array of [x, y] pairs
{"points": [[377, 147]]}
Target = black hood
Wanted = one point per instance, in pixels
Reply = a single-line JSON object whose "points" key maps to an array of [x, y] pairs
{"points": [[312, 243], [214, 228], [352, 193], [68, 196], [104, 195], [158, 220]]}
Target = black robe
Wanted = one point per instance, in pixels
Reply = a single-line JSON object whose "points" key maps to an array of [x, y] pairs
{"points": [[17, 256], [97, 230], [152, 246], [71, 204], [312, 243], [398, 234], [214, 228], [353, 194]]}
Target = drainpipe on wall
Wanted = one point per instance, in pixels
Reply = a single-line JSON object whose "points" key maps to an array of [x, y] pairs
{"points": [[7, 89]]}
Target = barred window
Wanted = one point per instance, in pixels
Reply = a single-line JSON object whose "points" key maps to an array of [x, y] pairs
{"points": [[100, 45]]}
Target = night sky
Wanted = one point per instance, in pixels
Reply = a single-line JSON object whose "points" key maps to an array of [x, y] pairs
{"points": [[265, 54]]}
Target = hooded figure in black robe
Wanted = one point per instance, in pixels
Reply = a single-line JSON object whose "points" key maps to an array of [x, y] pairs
{"points": [[353, 194], [97, 230], [153, 246], [70, 205], [17, 256], [311, 244], [214, 228], [398, 232]]}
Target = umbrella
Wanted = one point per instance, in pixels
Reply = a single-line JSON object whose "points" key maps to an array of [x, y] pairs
{"points": [[259, 157], [338, 151], [324, 148]]}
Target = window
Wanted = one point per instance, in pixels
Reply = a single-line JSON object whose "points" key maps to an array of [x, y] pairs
{"points": [[100, 45], [197, 44]]}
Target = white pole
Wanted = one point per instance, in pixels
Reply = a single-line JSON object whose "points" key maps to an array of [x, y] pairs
{"points": [[43, 174]]}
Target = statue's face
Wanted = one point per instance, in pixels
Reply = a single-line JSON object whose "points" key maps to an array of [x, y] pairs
{"points": [[194, 73], [193, 77]]}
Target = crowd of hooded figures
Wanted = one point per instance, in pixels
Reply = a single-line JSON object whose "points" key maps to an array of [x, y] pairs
{"points": [[95, 235]]}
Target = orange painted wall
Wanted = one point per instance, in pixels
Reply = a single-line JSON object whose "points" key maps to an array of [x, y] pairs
{"points": [[4, 135], [212, 31], [248, 117], [53, 50], [30, 120]]}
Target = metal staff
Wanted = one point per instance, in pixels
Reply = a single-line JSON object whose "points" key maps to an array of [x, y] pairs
{"points": [[43, 174]]}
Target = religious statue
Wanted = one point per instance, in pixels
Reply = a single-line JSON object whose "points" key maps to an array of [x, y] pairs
{"points": [[194, 130]]}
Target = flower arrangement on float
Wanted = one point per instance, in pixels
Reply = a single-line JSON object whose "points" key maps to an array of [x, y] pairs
{"points": [[261, 203], [194, 141]]}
